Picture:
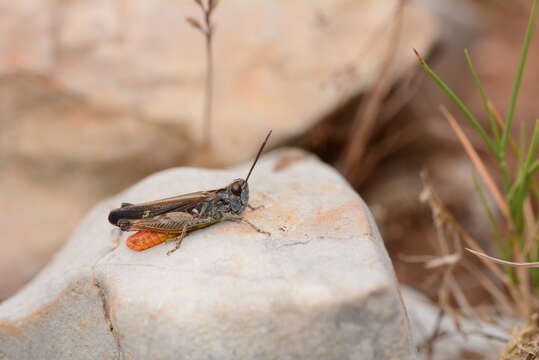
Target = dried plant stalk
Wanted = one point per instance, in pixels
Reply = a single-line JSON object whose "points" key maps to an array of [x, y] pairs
{"points": [[367, 113], [207, 28], [505, 262], [476, 160], [448, 228]]}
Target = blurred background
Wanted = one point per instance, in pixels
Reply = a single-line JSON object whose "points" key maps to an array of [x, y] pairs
{"points": [[96, 95]]}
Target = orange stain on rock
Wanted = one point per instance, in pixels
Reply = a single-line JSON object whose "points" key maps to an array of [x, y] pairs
{"points": [[10, 330], [335, 214]]}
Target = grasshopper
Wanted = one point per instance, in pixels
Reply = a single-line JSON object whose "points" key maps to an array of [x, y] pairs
{"points": [[172, 218]]}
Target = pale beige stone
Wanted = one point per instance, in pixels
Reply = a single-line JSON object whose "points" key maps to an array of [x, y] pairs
{"points": [[279, 64], [320, 287]]}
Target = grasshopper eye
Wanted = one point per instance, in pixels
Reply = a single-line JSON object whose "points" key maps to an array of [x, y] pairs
{"points": [[236, 189]]}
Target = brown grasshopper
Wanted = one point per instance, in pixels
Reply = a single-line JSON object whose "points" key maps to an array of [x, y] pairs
{"points": [[161, 220]]}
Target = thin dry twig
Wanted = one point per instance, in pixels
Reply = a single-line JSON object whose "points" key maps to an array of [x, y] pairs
{"points": [[523, 281], [517, 299], [437, 334], [368, 111], [505, 262], [450, 259], [449, 247], [523, 277], [530, 228], [489, 285], [391, 143], [460, 298], [445, 222], [207, 28], [523, 284]]}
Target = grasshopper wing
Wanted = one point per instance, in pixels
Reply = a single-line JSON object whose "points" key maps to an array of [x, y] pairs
{"points": [[182, 203], [155, 230], [169, 223]]}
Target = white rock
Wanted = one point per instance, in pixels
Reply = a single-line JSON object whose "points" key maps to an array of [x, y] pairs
{"points": [[320, 287]]}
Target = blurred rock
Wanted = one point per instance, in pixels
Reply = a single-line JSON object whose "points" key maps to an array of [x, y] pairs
{"points": [[134, 66], [475, 341], [95, 95], [320, 287]]}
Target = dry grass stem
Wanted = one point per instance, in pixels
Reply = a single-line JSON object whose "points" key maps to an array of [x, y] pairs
{"points": [[207, 28], [517, 198], [428, 344], [486, 282], [523, 282], [445, 223], [369, 110], [476, 160], [524, 296], [450, 259], [517, 297], [504, 262], [394, 141], [450, 250]]}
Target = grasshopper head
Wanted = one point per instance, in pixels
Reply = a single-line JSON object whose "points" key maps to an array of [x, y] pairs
{"points": [[237, 195]]}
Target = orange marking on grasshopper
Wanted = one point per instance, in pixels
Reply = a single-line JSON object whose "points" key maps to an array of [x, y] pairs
{"points": [[143, 240]]}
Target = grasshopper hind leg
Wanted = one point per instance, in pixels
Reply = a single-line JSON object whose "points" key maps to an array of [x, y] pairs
{"points": [[178, 240]]}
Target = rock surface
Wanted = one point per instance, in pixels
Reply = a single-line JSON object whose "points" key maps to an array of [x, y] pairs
{"points": [[320, 287]]}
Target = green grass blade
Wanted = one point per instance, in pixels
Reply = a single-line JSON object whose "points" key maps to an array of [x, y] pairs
{"points": [[534, 188], [491, 218], [532, 150], [458, 102], [520, 189], [484, 98], [533, 167], [518, 77], [521, 158]]}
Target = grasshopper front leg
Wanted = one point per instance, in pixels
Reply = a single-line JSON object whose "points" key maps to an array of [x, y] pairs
{"points": [[253, 208], [241, 219]]}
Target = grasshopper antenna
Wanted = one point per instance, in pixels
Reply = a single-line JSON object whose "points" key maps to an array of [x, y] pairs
{"points": [[257, 156]]}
